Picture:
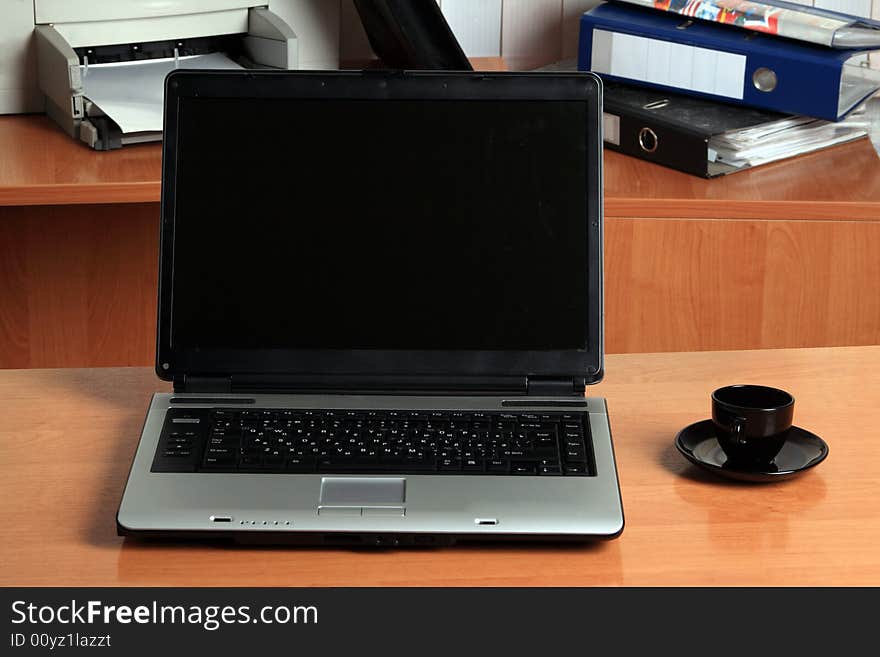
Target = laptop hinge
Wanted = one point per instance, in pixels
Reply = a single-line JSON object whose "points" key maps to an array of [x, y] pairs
{"points": [[187, 383], [550, 387]]}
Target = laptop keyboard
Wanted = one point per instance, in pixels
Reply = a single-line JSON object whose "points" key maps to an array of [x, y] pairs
{"points": [[375, 441]]}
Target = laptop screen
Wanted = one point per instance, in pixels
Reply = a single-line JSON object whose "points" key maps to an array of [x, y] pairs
{"points": [[390, 224]]}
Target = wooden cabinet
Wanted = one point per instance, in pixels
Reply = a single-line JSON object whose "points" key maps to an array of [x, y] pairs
{"points": [[698, 284], [78, 284], [786, 255]]}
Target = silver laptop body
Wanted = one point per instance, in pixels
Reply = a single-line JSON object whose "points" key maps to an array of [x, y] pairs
{"points": [[415, 250]]}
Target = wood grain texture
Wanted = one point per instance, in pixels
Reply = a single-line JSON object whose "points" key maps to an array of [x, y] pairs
{"points": [[842, 182], [42, 166], [67, 438], [488, 63], [78, 285], [78, 282], [679, 284]]}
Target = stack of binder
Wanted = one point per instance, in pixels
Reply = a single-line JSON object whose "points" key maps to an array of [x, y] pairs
{"points": [[711, 98], [707, 138]]}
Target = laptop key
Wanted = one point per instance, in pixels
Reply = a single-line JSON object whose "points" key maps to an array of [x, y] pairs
{"points": [[472, 465], [274, 460], [382, 441], [252, 463], [450, 465], [219, 461], [575, 453], [301, 464], [498, 466]]}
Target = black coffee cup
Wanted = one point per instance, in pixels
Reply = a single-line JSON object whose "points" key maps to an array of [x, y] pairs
{"points": [[751, 422]]}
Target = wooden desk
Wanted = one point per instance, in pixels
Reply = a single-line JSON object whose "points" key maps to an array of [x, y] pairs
{"points": [[780, 256], [67, 438]]}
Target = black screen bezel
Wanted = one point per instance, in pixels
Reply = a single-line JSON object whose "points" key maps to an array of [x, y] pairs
{"points": [[172, 362]]}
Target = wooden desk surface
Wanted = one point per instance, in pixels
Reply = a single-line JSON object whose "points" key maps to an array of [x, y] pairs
{"points": [[67, 438], [40, 165]]}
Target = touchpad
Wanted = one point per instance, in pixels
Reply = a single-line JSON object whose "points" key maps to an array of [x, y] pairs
{"points": [[362, 491]]}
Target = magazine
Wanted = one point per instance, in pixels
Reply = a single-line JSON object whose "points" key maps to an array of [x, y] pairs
{"points": [[780, 18]]}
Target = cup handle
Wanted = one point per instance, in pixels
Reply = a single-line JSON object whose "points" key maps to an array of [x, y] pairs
{"points": [[737, 430]]}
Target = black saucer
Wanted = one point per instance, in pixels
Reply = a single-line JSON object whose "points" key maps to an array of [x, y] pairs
{"points": [[801, 451]]}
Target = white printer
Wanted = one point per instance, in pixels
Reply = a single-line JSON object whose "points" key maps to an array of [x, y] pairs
{"points": [[98, 65]]}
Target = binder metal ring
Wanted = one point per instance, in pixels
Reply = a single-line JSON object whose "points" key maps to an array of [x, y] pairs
{"points": [[648, 140]]}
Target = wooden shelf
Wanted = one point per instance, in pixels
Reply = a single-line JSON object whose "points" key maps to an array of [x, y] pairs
{"points": [[41, 165], [840, 183], [79, 238]]}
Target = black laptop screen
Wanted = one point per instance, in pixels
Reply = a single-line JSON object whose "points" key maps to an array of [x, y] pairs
{"points": [[390, 224]]}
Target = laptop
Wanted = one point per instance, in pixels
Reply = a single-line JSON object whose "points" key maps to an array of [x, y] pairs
{"points": [[380, 302]]}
